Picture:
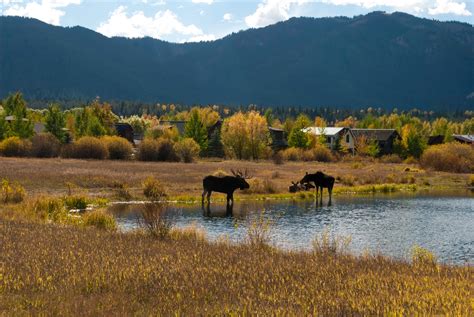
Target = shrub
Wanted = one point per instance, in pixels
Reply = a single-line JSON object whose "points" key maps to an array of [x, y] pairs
{"points": [[422, 256], [292, 154], [152, 189], [156, 221], [261, 186], [75, 202], [410, 160], [123, 191], [89, 148], [12, 193], [322, 154], [449, 157], [187, 150], [118, 148], [392, 158], [348, 180], [14, 146], [45, 145], [157, 150], [328, 244], [258, 231], [50, 208], [278, 158], [100, 220]]}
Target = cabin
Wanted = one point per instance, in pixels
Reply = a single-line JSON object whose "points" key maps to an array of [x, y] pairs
{"points": [[125, 130], [464, 138], [435, 139], [333, 134], [179, 124], [385, 138], [278, 137]]}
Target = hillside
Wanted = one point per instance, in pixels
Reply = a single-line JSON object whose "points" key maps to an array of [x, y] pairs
{"points": [[382, 60]]}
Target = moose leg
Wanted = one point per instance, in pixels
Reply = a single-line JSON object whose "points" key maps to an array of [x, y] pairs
{"points": [[330, 194], [209, 197], [203, 194]]}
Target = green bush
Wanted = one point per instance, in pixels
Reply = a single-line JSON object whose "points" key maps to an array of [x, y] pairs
{"points": [[99, 219], [89, 148], [45, 145], [76, 202], [118, 148], [152, 189], [50, 208], [449, 157], [187, 150], [157, 150], [11, 192], [15, 147]]}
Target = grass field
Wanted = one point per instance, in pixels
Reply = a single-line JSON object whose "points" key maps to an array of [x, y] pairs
{"points": [[102, 178], [57, 270]]}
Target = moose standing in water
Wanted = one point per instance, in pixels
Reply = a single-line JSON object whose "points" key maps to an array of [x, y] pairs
{"points": [[224, 184], [320, 181]]}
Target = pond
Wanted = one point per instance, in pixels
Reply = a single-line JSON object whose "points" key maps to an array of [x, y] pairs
{"points": [[390, 224]]}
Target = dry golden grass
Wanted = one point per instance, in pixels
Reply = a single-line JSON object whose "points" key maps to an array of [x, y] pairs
{"points": [[57, 270], [52, 176]]}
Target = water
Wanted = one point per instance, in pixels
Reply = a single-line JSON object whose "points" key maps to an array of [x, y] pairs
{"points": [[391, 225]]}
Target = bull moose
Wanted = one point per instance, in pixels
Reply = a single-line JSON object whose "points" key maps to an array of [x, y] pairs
{"points": [[320, 181], [224, 184]]}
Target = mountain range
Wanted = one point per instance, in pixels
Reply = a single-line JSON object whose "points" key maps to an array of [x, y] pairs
{"points": [[378, 59]]}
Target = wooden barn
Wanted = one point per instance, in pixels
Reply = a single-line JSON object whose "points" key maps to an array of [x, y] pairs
{"points": [[385, 138]]}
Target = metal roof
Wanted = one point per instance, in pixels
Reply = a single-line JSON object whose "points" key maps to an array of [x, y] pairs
{"points": [[329, 131], [468, 138]]}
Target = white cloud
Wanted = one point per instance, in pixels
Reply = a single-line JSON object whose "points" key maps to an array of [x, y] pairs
{"points": [[227, 17], [448, 6], [272, 11], [162, 24], [202, 38], [203, 1], [48, 11], [415, 6]]}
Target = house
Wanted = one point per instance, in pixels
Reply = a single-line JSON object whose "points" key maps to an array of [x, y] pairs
{"points": [[385, 138], [464, 138], [333, 134], [179, 124], [125, 130], [278, 137], [435, 139]]}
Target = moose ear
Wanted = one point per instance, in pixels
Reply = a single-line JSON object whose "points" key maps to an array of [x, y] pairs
{"points": [[306, 173]]}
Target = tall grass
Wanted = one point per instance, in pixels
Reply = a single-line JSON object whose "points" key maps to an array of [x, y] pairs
{"points": [[90, 272]]}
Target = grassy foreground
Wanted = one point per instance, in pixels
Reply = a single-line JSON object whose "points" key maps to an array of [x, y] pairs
{"points": [[58, 270]]}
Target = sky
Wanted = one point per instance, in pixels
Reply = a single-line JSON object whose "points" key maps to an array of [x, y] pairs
{"points": [[205, 20]]}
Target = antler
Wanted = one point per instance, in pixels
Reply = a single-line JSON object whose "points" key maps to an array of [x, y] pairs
{"points": [[239, 173]]}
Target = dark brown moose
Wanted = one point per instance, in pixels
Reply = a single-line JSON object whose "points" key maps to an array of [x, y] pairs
{"points": [[320, 181], [296, 187], [224, 184]]}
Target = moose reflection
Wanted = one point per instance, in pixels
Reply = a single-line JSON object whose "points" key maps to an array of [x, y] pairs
{"points": [[224, 184], [320, 181]]}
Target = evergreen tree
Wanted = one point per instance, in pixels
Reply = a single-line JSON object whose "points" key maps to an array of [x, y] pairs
{"points": [[269, 117], [196, 130], [55, 122], [14, 105], [215, 147]]}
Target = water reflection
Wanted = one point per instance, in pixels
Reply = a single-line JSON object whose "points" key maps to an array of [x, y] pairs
{"points": [[389, 224]]}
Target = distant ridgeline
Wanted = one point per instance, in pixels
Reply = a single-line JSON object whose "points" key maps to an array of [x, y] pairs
{"points": [[379, 60]]}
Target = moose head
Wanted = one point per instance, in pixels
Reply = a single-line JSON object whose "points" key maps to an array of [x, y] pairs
{"points": [[241, 178]]}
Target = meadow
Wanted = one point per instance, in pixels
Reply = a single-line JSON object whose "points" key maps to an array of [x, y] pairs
{"points": [[183, 182]]}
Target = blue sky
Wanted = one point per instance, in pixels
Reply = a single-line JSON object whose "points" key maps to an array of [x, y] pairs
{"points": [[195, 20]]}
